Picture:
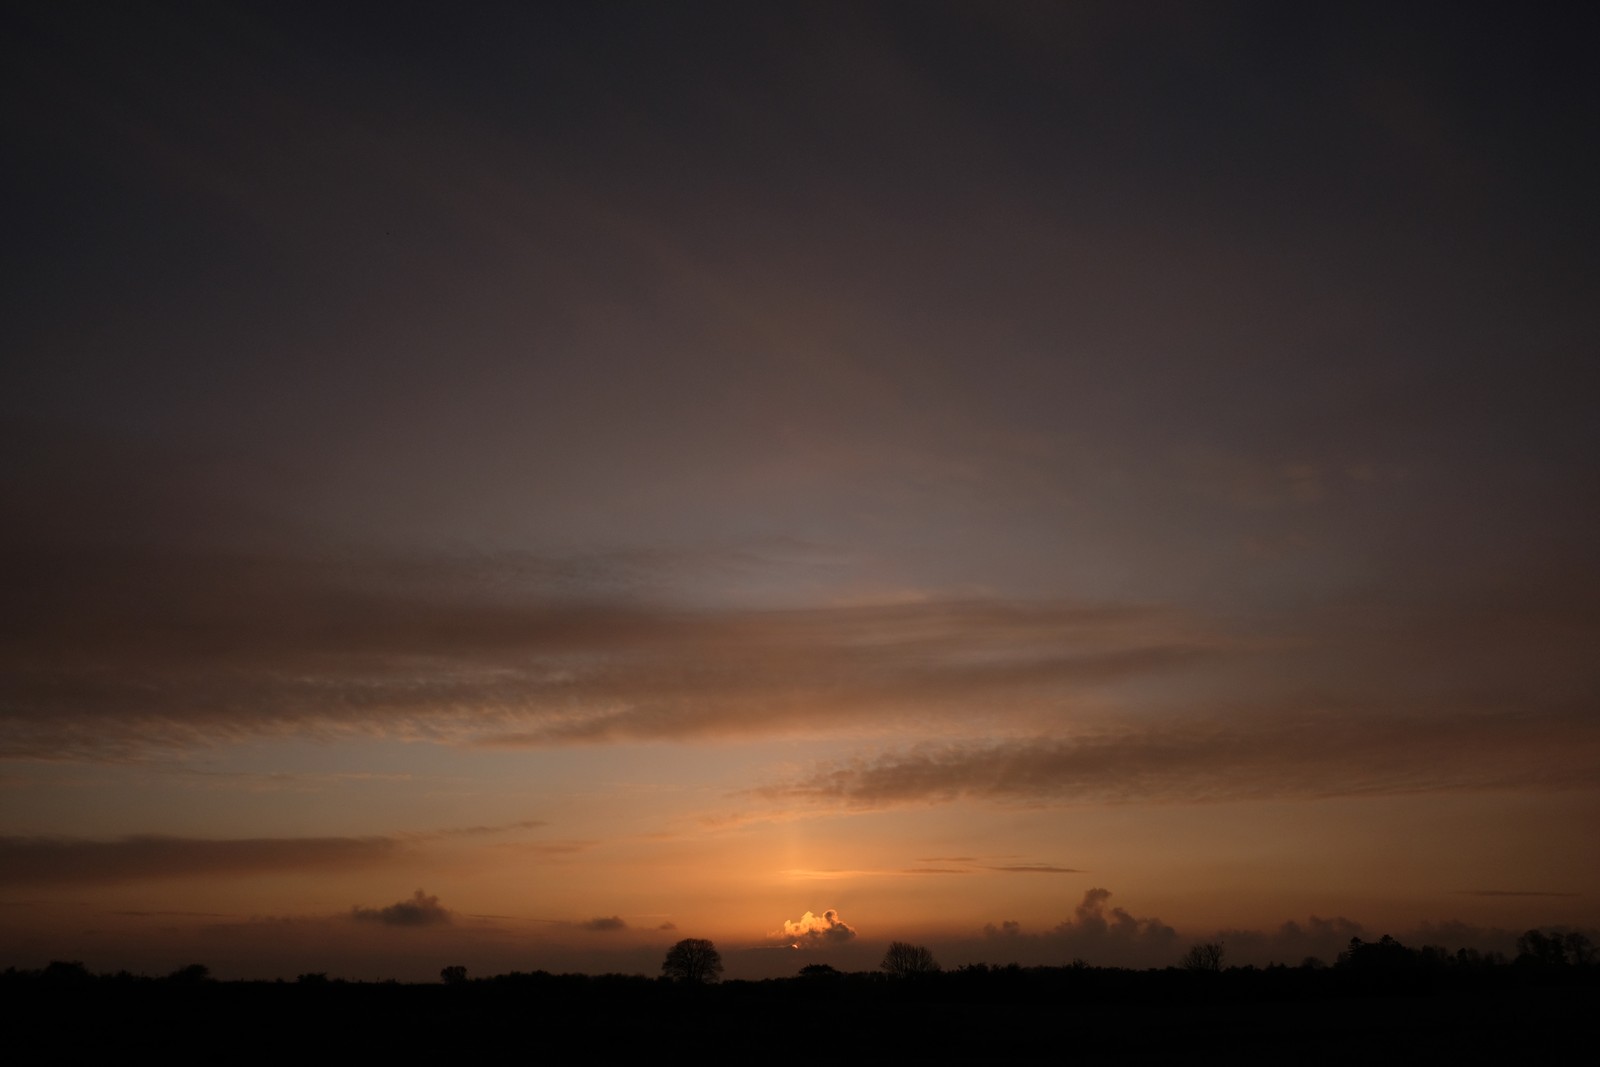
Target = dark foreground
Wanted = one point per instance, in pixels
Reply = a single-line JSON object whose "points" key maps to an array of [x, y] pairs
{"points": [[1003, 1015]]}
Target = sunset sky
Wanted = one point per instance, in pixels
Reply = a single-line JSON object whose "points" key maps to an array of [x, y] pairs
{"points": [[518, 485]]}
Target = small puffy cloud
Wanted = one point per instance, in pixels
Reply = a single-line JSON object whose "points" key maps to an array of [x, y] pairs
{"points": [[1091, 922], [668, 926], [603, 924], [810, 930], [420, 910]]}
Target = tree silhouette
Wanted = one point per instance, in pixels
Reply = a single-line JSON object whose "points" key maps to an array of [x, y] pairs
{"points": [[195, 972], [1555, 949], [64, 971], [453, 975], [693, 960], [1384, 954], [905, 960], [1203, 957]]}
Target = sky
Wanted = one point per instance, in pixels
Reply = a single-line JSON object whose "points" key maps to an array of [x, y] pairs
{"points": [[518, 485]]}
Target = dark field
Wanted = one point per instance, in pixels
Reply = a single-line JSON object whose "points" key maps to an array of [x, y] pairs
{"points": [[992, 1015]]}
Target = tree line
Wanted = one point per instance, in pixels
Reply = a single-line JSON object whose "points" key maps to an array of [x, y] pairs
{"points": [[1561, 955]]}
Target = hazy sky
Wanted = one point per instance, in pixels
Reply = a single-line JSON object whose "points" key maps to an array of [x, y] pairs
{"points": [[516, 485]]}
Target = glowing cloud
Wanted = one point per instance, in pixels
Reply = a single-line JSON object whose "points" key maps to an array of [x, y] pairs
{"points": [[810, 930]]}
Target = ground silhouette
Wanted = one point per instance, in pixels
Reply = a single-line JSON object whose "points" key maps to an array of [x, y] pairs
{"points": [[1379, 1001]]}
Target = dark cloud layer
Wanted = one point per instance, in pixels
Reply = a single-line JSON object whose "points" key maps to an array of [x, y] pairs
{"points": [[67, 861], [923, 302], [115, 655], [111, 655], [420, 910], [1233, 367], [1238, 759]]}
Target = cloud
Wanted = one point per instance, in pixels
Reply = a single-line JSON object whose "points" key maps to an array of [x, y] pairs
{"points": [[123, 653], [1101, 936], [969, 866], [1308, 755], [603, 924], [1090, 923], [488, 831], [814, 930], [60, 860], [420, 910], [1113, 937], [114, 654], [278, 781], [1292, 942], [550, 848], [669, 925], [170, 914]]}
